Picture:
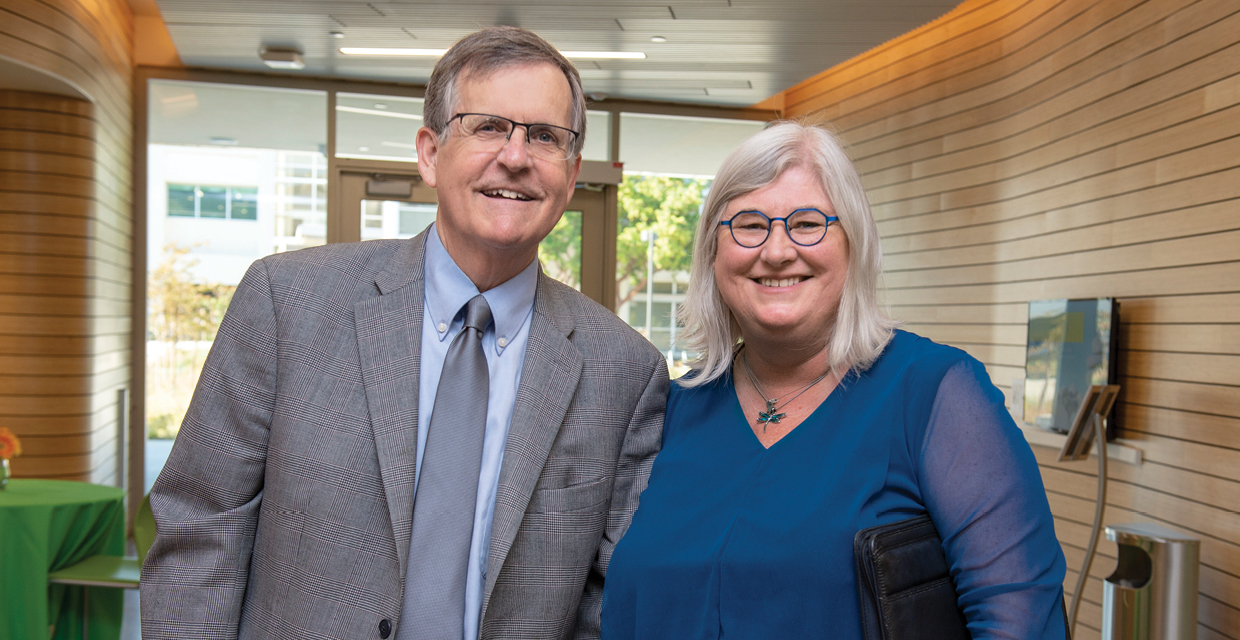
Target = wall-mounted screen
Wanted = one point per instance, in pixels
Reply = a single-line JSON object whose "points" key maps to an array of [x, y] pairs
{"points": [[1072, 345]]}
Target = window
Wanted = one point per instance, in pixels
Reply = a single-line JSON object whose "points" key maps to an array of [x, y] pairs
{"points": [[222, 203], [244, 203], [181, 200]]}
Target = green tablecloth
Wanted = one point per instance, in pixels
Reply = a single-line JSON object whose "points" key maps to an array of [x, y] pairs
{"points": [[46, 525]]}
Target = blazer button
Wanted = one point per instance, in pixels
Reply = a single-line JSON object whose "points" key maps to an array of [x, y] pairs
{"points": [[385, 628]]}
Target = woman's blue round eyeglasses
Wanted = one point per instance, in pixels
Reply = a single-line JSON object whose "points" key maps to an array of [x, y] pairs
{"points": [[806, 227]]}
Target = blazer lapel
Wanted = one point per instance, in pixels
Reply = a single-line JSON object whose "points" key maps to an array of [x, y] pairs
{"points": [[548, 382], [389, 341]]}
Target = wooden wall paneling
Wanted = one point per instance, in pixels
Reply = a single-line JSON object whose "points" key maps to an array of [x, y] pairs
{"points": [[77, 167], [1048, 78], [71, 41], [1185, 426], [981, 226], [1168, 281], [1135, 80], [1165, 225], [1175, 395], [984, 81], [1071, 492], [1186, 338], [65, 170], [1090, 152], [918, 58], [35, 182], [1184, 367], [1074, 511], [1212, 308], [1004, 111], [55, 383], [1014, 152], [989, 333], [1104, 111], [1172, 252]]}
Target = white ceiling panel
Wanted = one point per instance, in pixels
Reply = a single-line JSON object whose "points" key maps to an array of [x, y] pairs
{"points": [[726, 52]]}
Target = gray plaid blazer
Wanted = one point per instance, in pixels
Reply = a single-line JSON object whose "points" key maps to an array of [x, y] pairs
{"points": [[284, 509]]}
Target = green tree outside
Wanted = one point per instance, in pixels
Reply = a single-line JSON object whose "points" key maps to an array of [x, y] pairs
{"points": [[560, 251], [182, 317], [668, 206]]}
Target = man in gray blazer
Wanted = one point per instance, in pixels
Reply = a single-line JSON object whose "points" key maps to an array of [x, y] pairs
{"points": [[287, 508]]}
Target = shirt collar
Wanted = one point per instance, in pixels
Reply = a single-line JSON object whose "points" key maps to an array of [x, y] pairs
{"points": [[448, 289]]}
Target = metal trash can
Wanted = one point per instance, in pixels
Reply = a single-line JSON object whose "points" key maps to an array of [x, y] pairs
{"points": [[1152, 595]]}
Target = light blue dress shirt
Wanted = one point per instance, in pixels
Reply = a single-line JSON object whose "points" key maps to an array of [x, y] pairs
{"points": [[512, 304]]}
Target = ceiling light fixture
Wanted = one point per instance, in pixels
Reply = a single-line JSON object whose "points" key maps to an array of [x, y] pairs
{"points": [[373, 112], [337, 34], [579, 55], [282, 58], [658, 39]]}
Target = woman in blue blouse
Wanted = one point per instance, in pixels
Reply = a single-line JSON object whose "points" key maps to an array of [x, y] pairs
{"points": [[809, 417]]}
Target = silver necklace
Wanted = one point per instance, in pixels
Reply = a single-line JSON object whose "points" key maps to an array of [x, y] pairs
{"points": [[773, 405]]}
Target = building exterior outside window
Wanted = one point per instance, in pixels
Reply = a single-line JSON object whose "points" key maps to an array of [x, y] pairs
{"points": [[198, 201]]}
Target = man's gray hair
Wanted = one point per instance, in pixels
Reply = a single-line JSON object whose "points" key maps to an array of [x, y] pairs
{"points": [[489, 50], [861, 329]]}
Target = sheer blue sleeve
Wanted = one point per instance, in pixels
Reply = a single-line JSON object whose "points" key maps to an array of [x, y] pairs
{"points": [[981, 486]]}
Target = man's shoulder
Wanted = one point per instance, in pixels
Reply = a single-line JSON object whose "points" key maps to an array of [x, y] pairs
{"points": [[354, 258], [336, 275]]}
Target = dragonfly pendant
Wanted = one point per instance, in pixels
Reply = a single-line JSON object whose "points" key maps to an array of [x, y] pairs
{"points": [[769, 415]]}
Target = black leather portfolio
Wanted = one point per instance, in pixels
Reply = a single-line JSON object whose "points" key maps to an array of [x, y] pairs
{"points": [[905, 583]]}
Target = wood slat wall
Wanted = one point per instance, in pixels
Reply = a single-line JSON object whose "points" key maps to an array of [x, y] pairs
{"points": [[1024, 150], [66, 230]]}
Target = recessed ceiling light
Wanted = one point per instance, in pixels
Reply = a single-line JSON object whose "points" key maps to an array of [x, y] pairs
{"points": [[380, 112], [658, 39], [363, 148], [580, 55], [337, 34], [380, 105], [282, 58]]}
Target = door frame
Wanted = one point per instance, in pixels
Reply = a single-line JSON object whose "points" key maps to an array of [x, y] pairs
{"points": [[597, 204]]}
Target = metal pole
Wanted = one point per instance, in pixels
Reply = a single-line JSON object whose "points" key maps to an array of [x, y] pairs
{"points": [[671, 343], [649, 235], [1100, 447]]}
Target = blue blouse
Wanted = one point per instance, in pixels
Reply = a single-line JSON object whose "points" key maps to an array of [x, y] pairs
{"points": [[736, 540]]}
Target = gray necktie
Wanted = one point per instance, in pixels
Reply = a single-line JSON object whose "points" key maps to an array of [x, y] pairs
{"points": [[443, 508]]}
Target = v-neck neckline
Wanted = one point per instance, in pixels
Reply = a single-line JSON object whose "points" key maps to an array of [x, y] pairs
{"points": [[744, 419]]}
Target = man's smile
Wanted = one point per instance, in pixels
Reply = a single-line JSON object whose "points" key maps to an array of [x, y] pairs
{"points": [[506, 194]]}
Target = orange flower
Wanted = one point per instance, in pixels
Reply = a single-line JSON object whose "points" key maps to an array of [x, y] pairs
{"points": [[10, 446]]}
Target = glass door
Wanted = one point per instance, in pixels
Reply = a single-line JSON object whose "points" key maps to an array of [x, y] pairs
{"points": [[233, 173], [376, 206], [397, 204]]}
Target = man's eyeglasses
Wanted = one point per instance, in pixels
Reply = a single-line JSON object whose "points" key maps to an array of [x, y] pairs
{"points": [[547, 141], [806, 227]]}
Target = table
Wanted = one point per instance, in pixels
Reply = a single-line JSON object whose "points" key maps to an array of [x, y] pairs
{"points": [[46, 525]]}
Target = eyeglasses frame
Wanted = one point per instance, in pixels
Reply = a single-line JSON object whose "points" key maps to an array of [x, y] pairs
{"points": [[771, 225], [459, 117]]}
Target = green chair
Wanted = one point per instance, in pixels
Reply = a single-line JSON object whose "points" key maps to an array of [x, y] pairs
{"points": [[111, 571]]}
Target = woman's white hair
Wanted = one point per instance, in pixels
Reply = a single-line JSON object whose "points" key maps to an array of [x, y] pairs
{"points": [[861, 329]]}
